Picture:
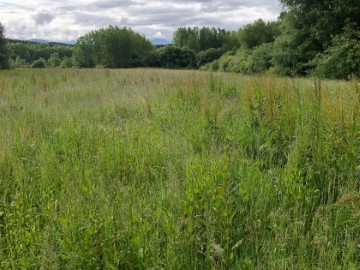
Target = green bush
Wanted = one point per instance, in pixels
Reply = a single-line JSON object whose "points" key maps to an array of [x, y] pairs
{"points": [[40, 63], [260, 59], [208, 56], [342, 59], [173, 57], [66, 62], [19, 62]]}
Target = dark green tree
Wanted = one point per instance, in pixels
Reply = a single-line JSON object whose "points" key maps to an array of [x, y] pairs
{"points": [[4, 53], [342, 59], [112, 47], [257, 33], [309, 28], [202, 39], [171, 57], [84, 52]]}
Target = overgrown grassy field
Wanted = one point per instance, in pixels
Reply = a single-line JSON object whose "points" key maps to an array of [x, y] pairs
{"points": [[158, 169]]}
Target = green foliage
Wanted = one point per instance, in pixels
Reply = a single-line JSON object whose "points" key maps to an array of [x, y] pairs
{"points": [[257, 33], [257, 60], [342, 58], [287, 57], [159, 169], [40, 63], [207, 56], [19, 62], [171, 57], [308, 29], [111, 47], [202, 39], [260, 59], [54, 60], [31, 51], [4, 53], [84, 52], [66, 62]]}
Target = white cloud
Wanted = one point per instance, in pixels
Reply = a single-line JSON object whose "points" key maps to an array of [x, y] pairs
{"points": [[67, 20]]}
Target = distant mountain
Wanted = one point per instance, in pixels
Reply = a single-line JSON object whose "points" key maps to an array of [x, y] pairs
{"points": [[155, 41], [37, 40], [44, 41], [160, 41]]}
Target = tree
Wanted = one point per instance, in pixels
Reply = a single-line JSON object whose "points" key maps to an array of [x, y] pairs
{"points": [[202, 39], [111, 47], [54, 60], [207, 56], [84, 52], [257, 33], [4, 53], [309, 28], [19, 62], [172, 57], [342, 58]]}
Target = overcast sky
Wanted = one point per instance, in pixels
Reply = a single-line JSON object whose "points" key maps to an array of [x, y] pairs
{"points": [[64, 20]]}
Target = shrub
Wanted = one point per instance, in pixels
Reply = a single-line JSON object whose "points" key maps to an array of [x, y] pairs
{"points": [[208, 56], [342, 59], [66, 62], [40, 63], [260, 59]]}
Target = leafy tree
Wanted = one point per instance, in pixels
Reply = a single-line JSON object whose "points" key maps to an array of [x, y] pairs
{"points": [[260, 58], [309, 28], [111, 47], [4, 53], [19, 62], [187, 38], [54, 60], [30, 51], [66, 62], [342, 58], [207, 56], [202, 39], [257, 33], [172, 57], [84, 52]]}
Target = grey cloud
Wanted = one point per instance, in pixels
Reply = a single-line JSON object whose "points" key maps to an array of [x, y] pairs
{"points": [[110, 4], [144, 16], [97, 20], [43, 17]]}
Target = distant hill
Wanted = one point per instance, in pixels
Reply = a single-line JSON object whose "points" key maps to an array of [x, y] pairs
{"points": [[44, 41], [36, 40]]}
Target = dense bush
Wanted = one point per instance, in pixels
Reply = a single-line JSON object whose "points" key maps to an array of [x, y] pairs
{"points": [[171, 57], [19, 62], [66, 62], [342, 59], [4, 53], [259, 61], [40, 63], [208, 56]]}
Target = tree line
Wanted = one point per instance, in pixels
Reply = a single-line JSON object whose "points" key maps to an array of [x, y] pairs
{"points": [[318, 38]]}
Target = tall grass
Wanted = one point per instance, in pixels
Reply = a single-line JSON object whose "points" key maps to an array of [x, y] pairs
{"points": [[157, 169]]}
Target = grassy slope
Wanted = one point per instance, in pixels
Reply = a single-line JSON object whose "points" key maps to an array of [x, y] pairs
{"points": [[133, 169]]}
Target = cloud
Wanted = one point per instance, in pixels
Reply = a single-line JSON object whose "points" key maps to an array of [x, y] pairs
{"points": [[67, 19], [42, 17]]}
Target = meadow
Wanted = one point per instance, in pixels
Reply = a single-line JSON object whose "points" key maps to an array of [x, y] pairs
{"points": [[161, 169]]}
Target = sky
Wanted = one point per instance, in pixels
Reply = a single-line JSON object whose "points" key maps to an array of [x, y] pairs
{"points": [[64, 20]]}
